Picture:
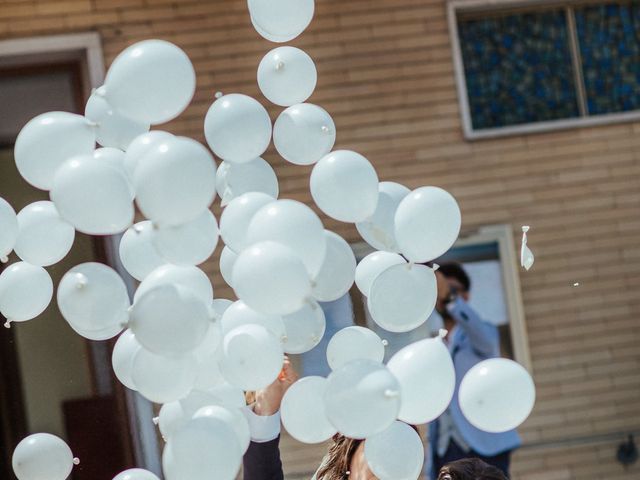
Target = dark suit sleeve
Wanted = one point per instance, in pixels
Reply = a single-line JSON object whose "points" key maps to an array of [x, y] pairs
{"points": [[262, 461]]}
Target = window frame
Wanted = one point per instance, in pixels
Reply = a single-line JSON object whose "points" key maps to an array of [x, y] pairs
{"points": [[457, 7]]}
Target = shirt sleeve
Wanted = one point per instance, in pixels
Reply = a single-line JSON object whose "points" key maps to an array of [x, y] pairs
{"points": [[484, 336], [263, 428]]}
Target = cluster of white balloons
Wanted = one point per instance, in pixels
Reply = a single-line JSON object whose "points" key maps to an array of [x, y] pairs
{"points": [[197, 355]]}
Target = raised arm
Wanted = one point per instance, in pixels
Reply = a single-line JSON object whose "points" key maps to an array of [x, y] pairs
{"points": [[484, 336]]}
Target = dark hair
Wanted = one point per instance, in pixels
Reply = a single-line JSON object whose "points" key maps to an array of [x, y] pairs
{"points": [[338, 461], [455, 270], [470, 469]]}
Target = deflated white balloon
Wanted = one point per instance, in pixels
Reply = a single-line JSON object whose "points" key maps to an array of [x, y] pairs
{"points": [[152, 81], [187, 276], [44, 238], [497, 395], [396, 453], [373, 265], [115, 158], [236, 217], [93, 299], [337, 272], [47, 141], [124, 350], [137, 252], [175, 181], [227, 261], [402, 297], [304, 133], [136, 474], [232, 417], [42, 456], [240, 314], [191, 243], [287, 75], [354, 343], [141, 145], [362, 398], [9, 230], [234, 180], [427, 223], [113, 128], [282, 18], [163, 379], [256, 284], [344, 185], [427, 379], [237, 128], [25, 292], [304, 328], [293, 224], [303, 412]]}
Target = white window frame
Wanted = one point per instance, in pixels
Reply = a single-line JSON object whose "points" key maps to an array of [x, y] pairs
{"points": [[455, 7]]}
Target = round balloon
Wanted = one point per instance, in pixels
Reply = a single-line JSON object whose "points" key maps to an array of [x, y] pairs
{"points": [[337, 272], [42, 456], [236, 217], [362, 398], [136, 474], [191, 243], [287, 75], [304, 328], [175, 181], [115, 158], [240, 314], [232, 417], [497, 395], [124, 350], [227, 261], [396, 453], [303, 412], [187, 276], [92, 196], [9, 231], [284, 19], [113, 128], [47, 141], [208, 374], [293, 224], [171, 417], [138, 254], [94, 300], [354, 343], [256, 284], [43, 237], [427, 223], [373, 265], [25, 292], [237, 128], [304, 133], [163, 379], [427, 379], [236, 179], [344, 185], [141, 145], [152, 81], [402, 297]]}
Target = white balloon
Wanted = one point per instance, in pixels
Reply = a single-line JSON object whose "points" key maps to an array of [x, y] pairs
{"points": [[236, 217], [43, 238], [282, 18], [93, 299], [344, 185], [293, 224], [304, 328], [303, 412], [191, 243], [122, 356], [113, 128], [270, 37], [9, 230], [137, 253], [497, 395], [175, 181], [172, 416], [402, 297], [232, 417], [92, 196], [163, 379], [373, 265], [237, 128], [337, 271], [304, 133], [136, 474], [271, 278], [427, 223], [287, 75], [140, 146], [218, 307], [115, 158], [362, 398], [25, 292], [152, 81], [378, 230], [354, 343], [228, 395], [47, 141], [187, 276], [227, 261], [169, 320], [236, 179], [239, 314], [396, 453], [251, 357], [208, 375], [427, 379], [42, 456]]}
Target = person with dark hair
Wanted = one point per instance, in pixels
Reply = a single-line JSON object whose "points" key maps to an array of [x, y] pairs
{"points": [[470, 340], [470, 469]]}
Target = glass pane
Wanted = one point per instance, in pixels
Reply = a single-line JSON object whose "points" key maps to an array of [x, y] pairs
{"points": [[518, 69], [609, 37]]}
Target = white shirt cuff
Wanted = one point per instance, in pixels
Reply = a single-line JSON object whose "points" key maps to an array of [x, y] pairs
{"points": [[263, 428]]}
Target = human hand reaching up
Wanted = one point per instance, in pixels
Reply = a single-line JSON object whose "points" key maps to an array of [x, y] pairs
{"points": [[268, 399]]}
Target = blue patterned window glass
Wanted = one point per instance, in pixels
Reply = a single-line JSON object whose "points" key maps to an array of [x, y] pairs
{"points": [[609, 39], [518, 68]]}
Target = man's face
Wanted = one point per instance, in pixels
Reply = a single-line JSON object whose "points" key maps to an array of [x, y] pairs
{"points": [[454, 284]]}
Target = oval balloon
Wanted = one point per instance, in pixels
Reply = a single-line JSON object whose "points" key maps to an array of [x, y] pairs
{"points": [[124, 350], [236, 179], [136, 474], [42, 456], [304, 328], [236, 217], [337, 272], [373, 265], [163, 379], [282, 18], [191, 243], [396, 453], [354, 343], [115, 158], [287, 75], [303, 412], [232, 417], [187, 276], [208, 374], [227, 261], [9, 231], [25, 292], [138, 254], [240, 314], [141, 145]]}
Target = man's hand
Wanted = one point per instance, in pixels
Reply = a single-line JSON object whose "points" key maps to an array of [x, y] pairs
{"points": [[444, 290], [268, 399]]}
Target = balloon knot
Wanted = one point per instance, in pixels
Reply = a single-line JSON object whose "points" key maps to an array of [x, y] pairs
{"points": [[81, 281], [325, 129], [76, 461], [92, 124], [385, 343], [280, 66], [7, 324], [284, 339], [4, 259], [436, 267], [137, 228], [525, 228], [391, 393], [156, 420], [218, 95], [442, 333]]}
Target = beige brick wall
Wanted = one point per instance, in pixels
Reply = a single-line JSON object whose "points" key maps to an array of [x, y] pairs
{"points": [[386, 75]]}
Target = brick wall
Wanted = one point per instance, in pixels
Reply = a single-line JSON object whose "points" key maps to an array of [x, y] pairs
{"points": [[386, 75]]}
